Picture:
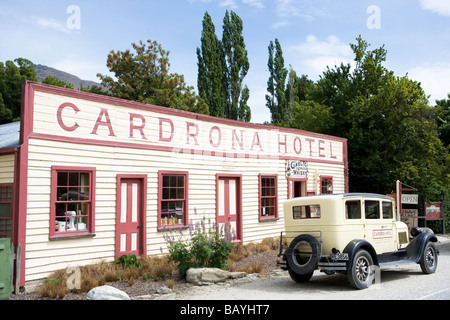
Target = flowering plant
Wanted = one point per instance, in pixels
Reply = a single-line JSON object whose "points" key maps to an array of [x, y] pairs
{"points": [[209, 245]]}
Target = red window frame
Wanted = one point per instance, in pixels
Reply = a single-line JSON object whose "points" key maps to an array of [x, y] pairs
{"points": [[325, 181], [6, 198], [83, 206], [267, 192], [171, 192]]}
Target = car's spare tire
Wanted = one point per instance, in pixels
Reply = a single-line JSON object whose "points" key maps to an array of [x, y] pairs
{"points": [[303, 254]]}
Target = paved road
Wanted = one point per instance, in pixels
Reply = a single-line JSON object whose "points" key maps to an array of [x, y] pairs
{"points": [[397, 283]]}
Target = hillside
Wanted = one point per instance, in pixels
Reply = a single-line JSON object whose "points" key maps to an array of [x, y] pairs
{"points": [[44, 71]]}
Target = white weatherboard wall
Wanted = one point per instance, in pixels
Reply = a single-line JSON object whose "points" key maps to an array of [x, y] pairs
{"points": [[50, 145]]}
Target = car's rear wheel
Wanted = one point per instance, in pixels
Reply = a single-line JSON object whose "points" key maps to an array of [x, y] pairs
{"points": [[361, 274], [429, 260], [303, 254]]}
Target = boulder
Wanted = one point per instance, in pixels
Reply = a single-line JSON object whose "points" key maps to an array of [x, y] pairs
{"points": [[107, 293], [206, 276]]}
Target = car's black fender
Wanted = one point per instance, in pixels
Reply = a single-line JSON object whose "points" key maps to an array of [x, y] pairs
{"points": [[352, 248], [415, 249]]}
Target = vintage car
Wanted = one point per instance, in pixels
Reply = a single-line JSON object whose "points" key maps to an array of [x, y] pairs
{"points": [[353, 233]]}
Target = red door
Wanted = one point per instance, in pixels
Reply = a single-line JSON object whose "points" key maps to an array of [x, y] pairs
{"points": [[229, 205], [130, 215]]}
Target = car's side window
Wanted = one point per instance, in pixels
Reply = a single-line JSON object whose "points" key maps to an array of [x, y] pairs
{"points": [[387, 210], [353, 209], [372, 209], [306, 212]]}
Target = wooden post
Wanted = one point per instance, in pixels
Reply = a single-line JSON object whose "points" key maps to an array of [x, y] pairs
{"points": [[18, 259], [13, 255]]}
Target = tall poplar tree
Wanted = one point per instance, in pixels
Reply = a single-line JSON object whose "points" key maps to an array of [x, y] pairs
{"points": [[211, 67], [222, 67], [276, 100], [237, 66]]}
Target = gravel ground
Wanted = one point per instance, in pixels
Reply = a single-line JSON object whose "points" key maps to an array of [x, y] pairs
{"points": [[155, 290]]}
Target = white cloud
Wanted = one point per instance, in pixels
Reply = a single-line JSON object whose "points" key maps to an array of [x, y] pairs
{"points": [[441, 7], [435, 79], [254, 3], [305, 10], [228, 3], [312, 56], [46, 23], [279, 24]]}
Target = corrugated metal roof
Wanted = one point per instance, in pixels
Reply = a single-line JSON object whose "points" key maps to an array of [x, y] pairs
{"points": [[10, 135]]}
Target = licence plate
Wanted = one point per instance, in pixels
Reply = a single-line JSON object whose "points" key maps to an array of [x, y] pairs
{"points": [[339, 256]]}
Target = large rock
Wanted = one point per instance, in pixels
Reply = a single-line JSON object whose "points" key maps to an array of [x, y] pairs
{"points": [[107, 293], [206, 276]]}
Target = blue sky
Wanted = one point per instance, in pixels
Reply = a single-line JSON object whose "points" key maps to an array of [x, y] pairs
{"points": [[313, 34]]}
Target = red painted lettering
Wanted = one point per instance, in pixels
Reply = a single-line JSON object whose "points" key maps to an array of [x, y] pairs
{"points": [[256, 142], [161, 131], [321, 148], [219, 136], [106, 123], [282, 143], [189, 135], [234, 137], [331, 151], [310, 145], [137, 127], [297, 149], [59, 116]]}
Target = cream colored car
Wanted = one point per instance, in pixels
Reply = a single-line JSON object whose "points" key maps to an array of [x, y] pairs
{"points": [[351, 233]]}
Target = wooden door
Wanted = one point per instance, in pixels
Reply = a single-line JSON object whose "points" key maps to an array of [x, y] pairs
{"points": [[130, 216], [229, 205]]}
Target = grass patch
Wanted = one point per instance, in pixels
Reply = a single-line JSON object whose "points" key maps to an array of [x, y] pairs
{"points": [[148, 268]]}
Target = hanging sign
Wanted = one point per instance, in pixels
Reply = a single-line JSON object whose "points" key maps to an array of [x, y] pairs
{"points": [[296, 169], [410, 199]]}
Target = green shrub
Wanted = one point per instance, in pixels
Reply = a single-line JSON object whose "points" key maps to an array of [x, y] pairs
{"points": [[128, 261], [207, 246]]}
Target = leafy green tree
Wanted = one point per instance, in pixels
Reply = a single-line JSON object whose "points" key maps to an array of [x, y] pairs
{"points": [[276, 85], [57, 82], [391, 129], [311, 116], [237, 66], [5, 113], [144, 76], [442, 110], [211, 67], [12, 75]]}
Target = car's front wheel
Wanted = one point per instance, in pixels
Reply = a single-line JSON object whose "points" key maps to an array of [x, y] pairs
{"points": [[429, 260], [361, 274]]}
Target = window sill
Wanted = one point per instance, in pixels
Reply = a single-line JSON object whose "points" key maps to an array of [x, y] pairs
{"points": [[67, 236], [261, 219], [174, 227]]}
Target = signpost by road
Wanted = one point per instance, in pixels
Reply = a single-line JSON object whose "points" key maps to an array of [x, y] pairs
{"points": [[435, 211]]}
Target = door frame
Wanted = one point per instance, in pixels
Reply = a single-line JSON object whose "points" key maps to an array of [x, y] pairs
{"points": [[291, 186], [142, 209], [238, 177]]}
